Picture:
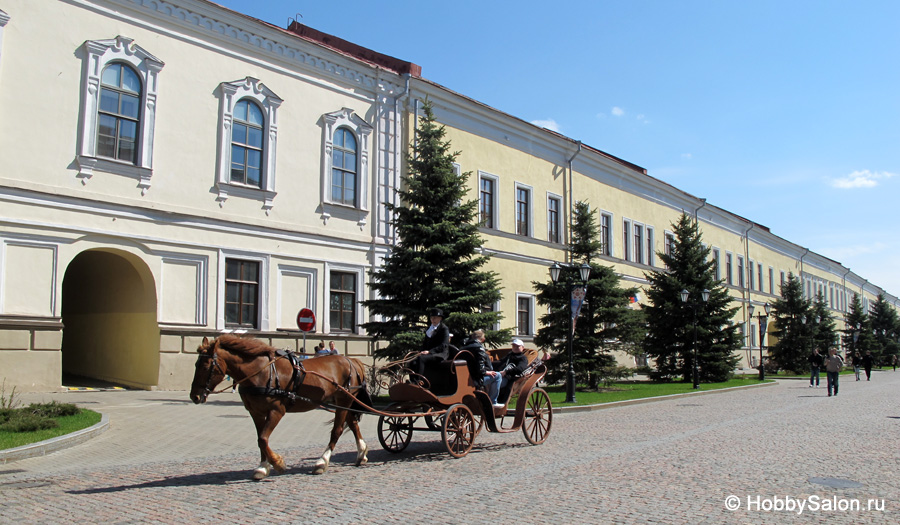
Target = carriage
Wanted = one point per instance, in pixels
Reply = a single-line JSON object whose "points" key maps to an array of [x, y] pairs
{"points": [[461, 411], [273, 382]]}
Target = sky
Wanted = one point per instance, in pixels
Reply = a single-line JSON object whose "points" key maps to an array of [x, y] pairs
{"points": [[784, 113]]}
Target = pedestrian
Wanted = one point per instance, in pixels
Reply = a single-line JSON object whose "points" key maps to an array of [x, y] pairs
{"points": [[867, 362], [332, 350], [894, 362], [857, 360], [833, 365], [816, 360]]}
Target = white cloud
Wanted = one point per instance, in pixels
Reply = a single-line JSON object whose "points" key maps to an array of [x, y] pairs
{"points": [[687, 156], [617, 111], [860, 179], [549, 124]]}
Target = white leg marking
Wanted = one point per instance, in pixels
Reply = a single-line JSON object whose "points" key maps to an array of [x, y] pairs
{"points": [[262, 471], [323, 462], [361, 453]]}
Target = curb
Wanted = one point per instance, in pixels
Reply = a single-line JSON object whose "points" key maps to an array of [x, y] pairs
{"points": [[42, 448], [615, 404]]}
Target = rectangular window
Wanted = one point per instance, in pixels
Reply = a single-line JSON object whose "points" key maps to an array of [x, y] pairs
{"points": [[606, 234], [750, 272], [342, 302], [638, 243], [771, 280], [553, 219], [241, 293], [651, 253], [486, 204], [523, 316], [626, 236], [670, 244], [759, 273], [782, 277], [728, 264], [523, 211], [740, 271], [716, 264]]}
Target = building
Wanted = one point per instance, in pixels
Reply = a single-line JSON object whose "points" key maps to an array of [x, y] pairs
{"points": [[187, 170]]}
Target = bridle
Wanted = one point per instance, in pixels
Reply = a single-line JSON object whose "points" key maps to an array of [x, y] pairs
{"points": [[213, 368]]}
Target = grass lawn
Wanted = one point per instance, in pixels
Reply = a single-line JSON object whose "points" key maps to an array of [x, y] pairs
{"points": [[67, 424], [623, 391]]}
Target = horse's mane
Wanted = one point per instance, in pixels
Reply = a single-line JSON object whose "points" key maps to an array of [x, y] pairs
{"points": [[244, 346]]}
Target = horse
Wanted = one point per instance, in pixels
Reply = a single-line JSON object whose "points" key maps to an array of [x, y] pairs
{"points": [[270, 385]]}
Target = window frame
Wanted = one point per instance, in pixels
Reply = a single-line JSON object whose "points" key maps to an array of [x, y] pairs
{"points": [[230, 93], [98, 54], [263, 298], [626, 238], [651, 245], [607, 234], [355, 302], [494, 204], [729, 268], [637, 231], [742, 278], [360, 289], [529, 332], [345, 118], [717, 262], [552, 197], [528, 210]]}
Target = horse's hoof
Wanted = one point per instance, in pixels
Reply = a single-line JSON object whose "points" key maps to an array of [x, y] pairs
{"points": [[320, 469], [279, 466], [260, 474], [362, 462]]}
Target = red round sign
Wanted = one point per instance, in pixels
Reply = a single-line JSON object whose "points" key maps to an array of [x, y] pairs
{"points": [[306, 320]]}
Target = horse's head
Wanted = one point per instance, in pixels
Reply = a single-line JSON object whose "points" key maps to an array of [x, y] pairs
{"points": [[208, 372]]}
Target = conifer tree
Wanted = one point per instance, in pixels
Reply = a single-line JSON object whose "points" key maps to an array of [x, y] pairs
{"points": [[605, 323], [857, 321], [670, 336], [436, 262], [884, 329], [794, 337], [825, 335]]}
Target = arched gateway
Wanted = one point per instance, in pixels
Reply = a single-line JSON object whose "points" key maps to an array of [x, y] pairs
{"points": [[109, 315]]}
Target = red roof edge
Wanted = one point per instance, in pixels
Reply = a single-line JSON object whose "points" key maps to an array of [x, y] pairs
{"points": [[380, 59]]}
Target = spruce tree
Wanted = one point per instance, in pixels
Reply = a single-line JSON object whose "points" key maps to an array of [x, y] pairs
{"points": [[670, 336], [436, 262], [605, 323], [825, 334], [884, 329], [857, 321], [794, 337]]}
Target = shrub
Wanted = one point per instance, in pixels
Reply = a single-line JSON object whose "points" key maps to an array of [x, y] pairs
{"points": [[7, 402], [24, 421], [52, 409]]}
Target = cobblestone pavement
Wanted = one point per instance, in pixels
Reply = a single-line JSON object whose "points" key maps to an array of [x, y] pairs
{"points": [[164, 460]]}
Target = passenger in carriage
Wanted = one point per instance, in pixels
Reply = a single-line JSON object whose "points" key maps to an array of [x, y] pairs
{"points": [[486, 375], [436, 344], [510, 368]]}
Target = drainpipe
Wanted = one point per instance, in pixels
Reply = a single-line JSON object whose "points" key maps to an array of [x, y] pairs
{"points": [[746, 278], [571, 203], [702, 204], [398, 125]]}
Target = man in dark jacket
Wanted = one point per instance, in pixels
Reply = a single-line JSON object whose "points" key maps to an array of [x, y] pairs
{"points": [[868, 362], [510, 368], [436, 343], [816, 362]]}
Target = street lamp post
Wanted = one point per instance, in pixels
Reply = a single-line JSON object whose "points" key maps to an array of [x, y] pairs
{"points": [[584, 272], [685, 295], [763, 320]]}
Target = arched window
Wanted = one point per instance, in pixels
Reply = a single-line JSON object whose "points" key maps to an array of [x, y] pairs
{"points": [[247, 144], [119, 113], [343, 168]]}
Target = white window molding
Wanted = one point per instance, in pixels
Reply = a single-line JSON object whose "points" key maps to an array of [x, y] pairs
{"points": [[4, 19], [360, 273], [97, 55], [651, 245], [608, 238], [531, 315], [529, 212], [559, 217], [345, 118], [495, 201], [263, 299], [230, 93], [199, 263]]}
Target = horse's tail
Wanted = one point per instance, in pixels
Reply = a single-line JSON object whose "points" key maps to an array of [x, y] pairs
{"points": [[362, 401]]}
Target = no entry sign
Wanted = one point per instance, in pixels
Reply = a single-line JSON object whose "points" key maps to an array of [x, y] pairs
{"points": [[306, 320]]}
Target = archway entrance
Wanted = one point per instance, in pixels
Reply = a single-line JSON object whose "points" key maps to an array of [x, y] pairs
{"points": [[111, 332]]}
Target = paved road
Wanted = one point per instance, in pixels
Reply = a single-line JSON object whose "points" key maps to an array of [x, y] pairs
{"points": [[165, 460]]}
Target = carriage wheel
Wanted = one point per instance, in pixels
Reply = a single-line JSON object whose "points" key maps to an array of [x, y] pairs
{"points": [[394, 432], [538, 417], [458, 430]]}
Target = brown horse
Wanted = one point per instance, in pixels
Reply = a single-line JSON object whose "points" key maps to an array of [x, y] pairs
{"points": [[269, 387]]}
